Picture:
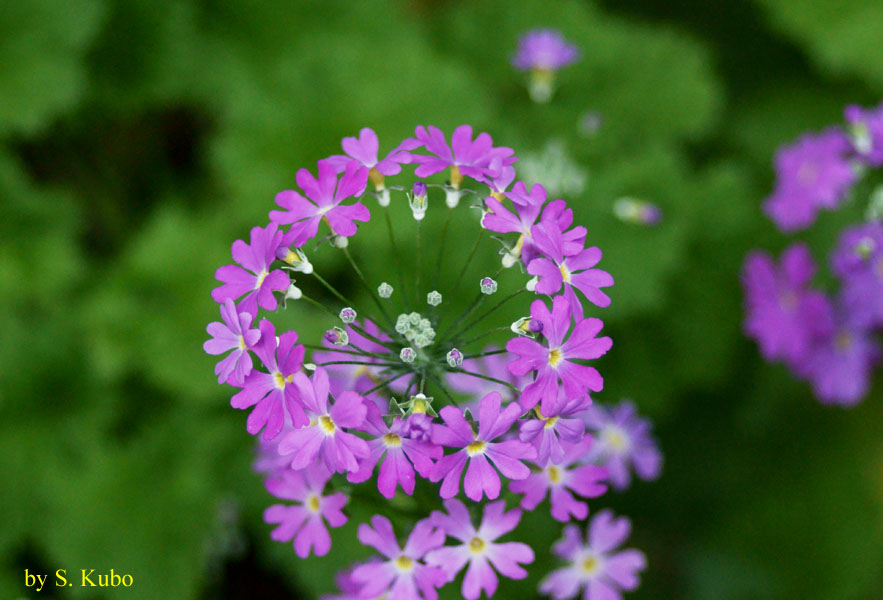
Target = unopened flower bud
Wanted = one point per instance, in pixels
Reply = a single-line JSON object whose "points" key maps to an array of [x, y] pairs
{"points": [[296, 259], [488, 286], [347, 315], [383, 197], [384, 290], [541, 85], [339, 241], [418, 426], [455, 358], [433, 298], [526, 327], [418, 200], [531, 284], [408, 355], [337, 337], [402, 324], [639, 212], [293, 293], [414, 318]]}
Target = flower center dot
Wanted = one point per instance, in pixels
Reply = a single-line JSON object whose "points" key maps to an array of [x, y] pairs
{"points": [[313, 503], [404, 563], [476, 545], [615, 439], [476, 447], [550, 422], [242, 345], [554, 474], [260, 279], [279, 378], [590, 565], [326, 424], [392, 440], [555, 356], [565, 272]]}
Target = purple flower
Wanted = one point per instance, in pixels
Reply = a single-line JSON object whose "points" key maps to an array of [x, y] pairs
{"points": [[363, 150], [594, 566], [253, 278], [305, 522], [553, 363], [324, 437], [858, 261], [622, 440], [323, 201], [782, 314], [233, 334], [544, 50], [555, 268], [813, 173], [275, 398], [839, 365], [400, 451], [544, 432], [478, 547], [348, 587], [866, 127], [479, 450], [559, 479], [477, 159], [403, 576]]}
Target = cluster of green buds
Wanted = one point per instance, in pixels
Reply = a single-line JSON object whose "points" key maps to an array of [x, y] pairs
{"points": [[416, 329]]}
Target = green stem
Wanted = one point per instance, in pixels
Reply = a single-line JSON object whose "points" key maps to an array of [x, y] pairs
{"points": [[355, 362], [485, 377], [488, 312], [369, 289], [490, 353], [395, 254]]}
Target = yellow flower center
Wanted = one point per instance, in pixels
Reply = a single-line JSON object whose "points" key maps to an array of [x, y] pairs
{"points": [[326, 424], [260, 280], [476, 545], [555, 357], [313, 503], [476, 447], [242, 345], [279, 379], [565, 272], [589, 565], [843, 341], [392, 440], [418, 406], [554, 474], [615, 438], [550, 422], [404, 563]]}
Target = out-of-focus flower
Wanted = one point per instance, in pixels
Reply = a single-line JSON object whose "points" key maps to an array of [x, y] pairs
{"points": [[866, 131], [594, 566], [542, 52]]}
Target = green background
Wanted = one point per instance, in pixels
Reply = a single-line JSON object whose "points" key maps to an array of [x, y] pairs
{"points": [[139, 138]]}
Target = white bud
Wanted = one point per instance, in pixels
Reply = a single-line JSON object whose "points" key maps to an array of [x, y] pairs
{"points": [[452, 197], [339, 241], [293, 293], [383, 197], [488, 286], [385, 290], [531, 284], [347, 315], [408, 354], [433, 298], [509, 260]]}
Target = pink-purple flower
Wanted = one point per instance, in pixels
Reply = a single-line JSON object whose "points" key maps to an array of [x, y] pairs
{"points": [[479, 548], [553, 362], [398, 451], [544, 50], [403, 575], [556, 267], [858, 262], [782, 314], [813, 173], [233, 334], [273, 395], [560, 480], [623, 441], [866, 127], [325, 437], [252, 275], [479, 450], [595, 566], [546, 433], [304, 522], [324, 196], [477, 158], [363, 150]]}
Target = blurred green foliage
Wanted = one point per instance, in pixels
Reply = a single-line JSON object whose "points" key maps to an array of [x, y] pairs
{"points": [[139, 138]]}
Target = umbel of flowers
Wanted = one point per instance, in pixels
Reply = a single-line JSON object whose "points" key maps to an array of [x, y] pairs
{"points": [[401, 396], [829, 338]]}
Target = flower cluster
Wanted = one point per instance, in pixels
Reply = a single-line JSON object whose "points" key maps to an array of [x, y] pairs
{"points": [[826, 338], [398, 396]]}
